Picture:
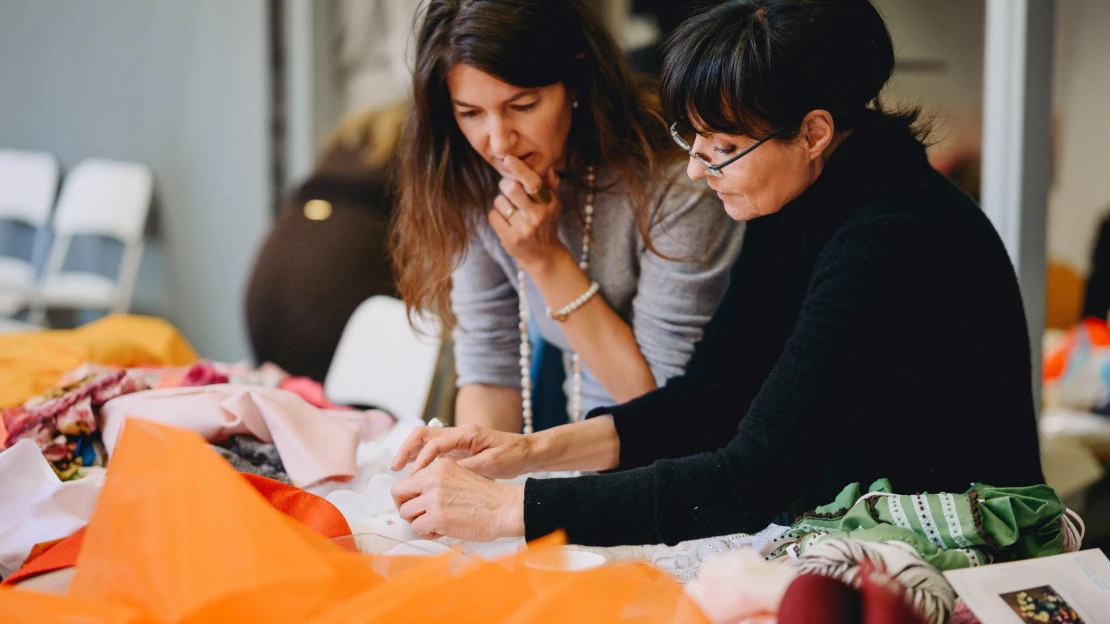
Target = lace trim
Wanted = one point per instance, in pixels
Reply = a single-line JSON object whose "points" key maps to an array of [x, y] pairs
{"points": [[952, 518], [972, 556], [897, 513], [925, 516]]}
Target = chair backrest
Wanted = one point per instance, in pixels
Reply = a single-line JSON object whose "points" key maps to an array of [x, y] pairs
{"points": [[105, 198], [381, 361], [28, 184]]}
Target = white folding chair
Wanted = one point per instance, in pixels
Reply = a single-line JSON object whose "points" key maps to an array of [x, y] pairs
{"points": [[98, 198], [28, 184], [381, 361]]}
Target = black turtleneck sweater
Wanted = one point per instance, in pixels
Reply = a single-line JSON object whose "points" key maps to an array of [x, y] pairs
{"points": [[873, 328]]}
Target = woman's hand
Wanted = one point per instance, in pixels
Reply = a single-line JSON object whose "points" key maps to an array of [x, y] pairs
{"points": [[494, 454], [447, 500], [528, 230]]}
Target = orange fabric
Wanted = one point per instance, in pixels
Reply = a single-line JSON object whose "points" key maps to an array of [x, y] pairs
{"points": [[445, 588], [449, 588], [177, 532], [42, 547], [1095, 331], [178, 537], [25, 607], [312, 511], [1056, 357], [33, 362], [61, 555]]}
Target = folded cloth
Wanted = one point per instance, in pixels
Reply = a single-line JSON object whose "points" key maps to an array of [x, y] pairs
{"points": [[949, 531], [314, 444], [35, 506], [32, 362]]}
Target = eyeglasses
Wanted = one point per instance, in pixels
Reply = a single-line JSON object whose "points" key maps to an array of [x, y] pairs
{"points": [[714, 169]]}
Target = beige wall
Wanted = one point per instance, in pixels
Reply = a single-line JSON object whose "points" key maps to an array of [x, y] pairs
{"points": [[1081, 196], [952, 31]]}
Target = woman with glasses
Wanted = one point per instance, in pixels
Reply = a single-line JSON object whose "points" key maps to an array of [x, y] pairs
{"points": [[539, 189], [873, 327]]}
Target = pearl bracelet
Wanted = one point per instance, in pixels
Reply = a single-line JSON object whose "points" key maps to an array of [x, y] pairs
{"points": [[562, 314]]}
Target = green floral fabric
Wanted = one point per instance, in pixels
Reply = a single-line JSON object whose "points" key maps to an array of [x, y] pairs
{"points": [[949, 531]]}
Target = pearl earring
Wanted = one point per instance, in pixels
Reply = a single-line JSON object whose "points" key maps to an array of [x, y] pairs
{"points": [[574, 103]]}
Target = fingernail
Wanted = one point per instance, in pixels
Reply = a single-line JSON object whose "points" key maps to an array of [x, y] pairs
{"points": [[505, 184]]}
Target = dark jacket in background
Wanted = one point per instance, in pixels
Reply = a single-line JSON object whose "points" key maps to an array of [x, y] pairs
{"points": [[311, 274], [1096, 303]]}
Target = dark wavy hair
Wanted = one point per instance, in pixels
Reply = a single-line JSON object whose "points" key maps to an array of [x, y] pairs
{"points": [[757, 67], [444, 186]]}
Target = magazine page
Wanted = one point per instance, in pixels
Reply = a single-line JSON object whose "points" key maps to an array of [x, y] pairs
{"points": [[1073, 588]]}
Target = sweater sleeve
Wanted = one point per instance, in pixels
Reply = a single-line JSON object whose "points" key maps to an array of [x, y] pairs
{"points": [[682, 281], [487, 340], [791, 429], [717, 386]]}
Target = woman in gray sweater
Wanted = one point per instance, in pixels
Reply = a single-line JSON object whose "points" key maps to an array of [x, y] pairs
{"points": [[539, 187]]}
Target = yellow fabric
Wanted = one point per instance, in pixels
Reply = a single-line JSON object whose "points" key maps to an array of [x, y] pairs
{"points": [[178, 537], [33, 362]]}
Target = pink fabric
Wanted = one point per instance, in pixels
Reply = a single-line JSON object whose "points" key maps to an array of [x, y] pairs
{"points": [[962, 614], [373, 422], [314, 444], [203, 374], [309, 390], [739, 586], [172, 378]]}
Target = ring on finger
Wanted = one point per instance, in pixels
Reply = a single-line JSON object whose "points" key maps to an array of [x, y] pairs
{"points": [[508, 214], [542, 195]]}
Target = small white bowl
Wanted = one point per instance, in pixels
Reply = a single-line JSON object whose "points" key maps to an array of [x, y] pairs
{"points": [[568, 560]]}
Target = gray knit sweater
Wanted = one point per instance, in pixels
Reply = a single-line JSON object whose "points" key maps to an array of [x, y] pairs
{"points": [[666, 302]]}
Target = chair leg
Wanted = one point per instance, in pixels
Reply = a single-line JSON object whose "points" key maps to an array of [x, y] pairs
{"points": [[128, 275], [54, 265]]}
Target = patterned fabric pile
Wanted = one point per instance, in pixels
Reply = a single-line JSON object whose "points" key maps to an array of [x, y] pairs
{"points": [[949, 531], [62, 421]]}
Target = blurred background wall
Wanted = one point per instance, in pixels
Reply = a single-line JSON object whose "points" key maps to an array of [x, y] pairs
{"points": [[181, 86]]}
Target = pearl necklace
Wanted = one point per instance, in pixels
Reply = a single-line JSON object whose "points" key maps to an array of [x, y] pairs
{"points": [[525, 341]]}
